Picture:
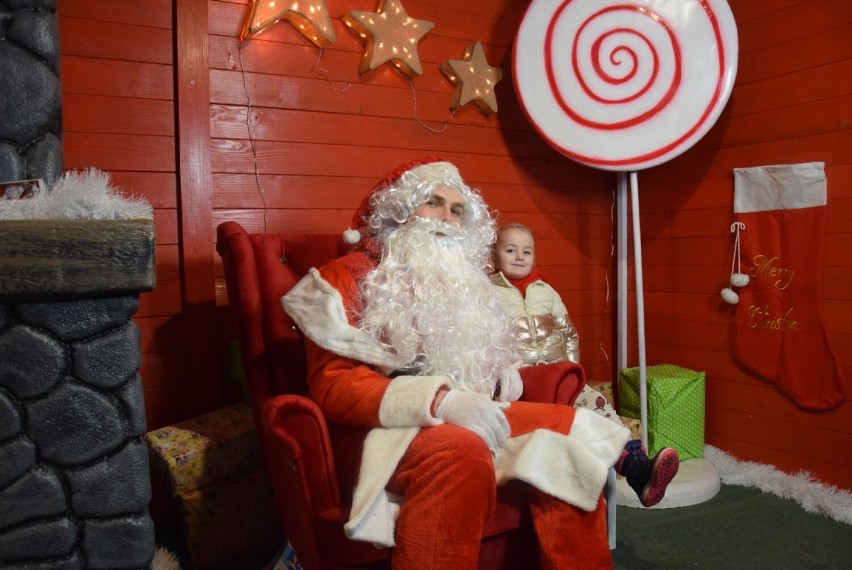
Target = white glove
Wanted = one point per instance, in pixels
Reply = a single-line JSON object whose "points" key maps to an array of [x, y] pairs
{"points": [[511, 385], [478, 413]]}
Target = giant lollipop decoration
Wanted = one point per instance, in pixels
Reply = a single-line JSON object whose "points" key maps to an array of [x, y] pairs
{"points": [[626, 86]]}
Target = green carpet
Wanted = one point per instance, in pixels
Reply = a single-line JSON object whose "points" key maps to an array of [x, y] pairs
{"points": [[740, 528]]}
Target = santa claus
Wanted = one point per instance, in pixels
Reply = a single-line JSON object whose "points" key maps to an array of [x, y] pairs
{"points": [[407, 336]]}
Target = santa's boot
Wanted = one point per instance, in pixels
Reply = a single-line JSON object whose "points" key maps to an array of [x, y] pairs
{"points": [[648, 477]]}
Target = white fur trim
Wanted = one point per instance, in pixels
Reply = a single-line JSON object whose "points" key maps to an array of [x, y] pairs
{"points": [[779, 187], [408, 401], [374, 511], [351, 236], [571, 467], [445, 171], [318, 310], [601, 436]]}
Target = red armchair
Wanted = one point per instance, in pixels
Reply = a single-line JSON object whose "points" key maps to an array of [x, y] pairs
{"points": [[313, 464]]}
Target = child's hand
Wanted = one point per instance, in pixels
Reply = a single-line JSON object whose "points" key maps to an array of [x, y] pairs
{"points": [[511, 385]]}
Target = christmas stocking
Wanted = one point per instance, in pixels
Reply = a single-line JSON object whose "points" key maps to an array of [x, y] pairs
{"points": [[779, 334]]}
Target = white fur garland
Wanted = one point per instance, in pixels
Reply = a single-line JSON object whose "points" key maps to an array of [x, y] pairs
{"points": [[85, 195], [812, 495]]}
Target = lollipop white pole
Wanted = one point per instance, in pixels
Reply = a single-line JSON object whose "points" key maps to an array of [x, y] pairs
{"points": [[621, 358], [629, 182], [621, 201], [640, 306]]}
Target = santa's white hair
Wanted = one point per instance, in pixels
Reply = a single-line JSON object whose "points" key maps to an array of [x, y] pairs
{"points": [[430, 299]]}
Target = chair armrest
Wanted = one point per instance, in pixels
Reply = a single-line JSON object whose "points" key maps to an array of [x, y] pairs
{"points": [[556, 383], [296, 442], [299, 459]]}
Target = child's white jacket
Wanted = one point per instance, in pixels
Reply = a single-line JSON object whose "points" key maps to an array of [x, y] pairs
{"points": [[542, 325]]}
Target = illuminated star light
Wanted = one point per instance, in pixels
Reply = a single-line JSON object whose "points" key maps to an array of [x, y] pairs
{"points": [[473, 79], [310, 17], [391, 36]]}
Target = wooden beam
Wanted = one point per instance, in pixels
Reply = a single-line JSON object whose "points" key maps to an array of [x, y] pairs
{"points": [[195, 203], [107, 257]]}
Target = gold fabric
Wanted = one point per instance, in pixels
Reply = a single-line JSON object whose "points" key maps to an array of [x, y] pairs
{"points": [[546, 338]]}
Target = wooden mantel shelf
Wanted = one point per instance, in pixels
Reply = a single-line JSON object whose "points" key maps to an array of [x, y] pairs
{"points": [[45, 259]]}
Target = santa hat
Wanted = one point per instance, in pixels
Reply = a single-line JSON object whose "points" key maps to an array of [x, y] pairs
{"points": [[426, 169]]}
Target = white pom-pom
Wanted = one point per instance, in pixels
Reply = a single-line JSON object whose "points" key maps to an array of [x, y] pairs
{"points": [[739, 279], [351, 236], [729, 296]]}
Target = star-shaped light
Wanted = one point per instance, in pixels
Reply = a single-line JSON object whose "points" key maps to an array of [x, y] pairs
{"points": [[310, 17], [391, 36], [473, 79]]}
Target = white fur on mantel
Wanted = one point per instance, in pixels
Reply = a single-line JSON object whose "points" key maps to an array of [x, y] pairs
{"points": [[83, 195], [811, 494]]}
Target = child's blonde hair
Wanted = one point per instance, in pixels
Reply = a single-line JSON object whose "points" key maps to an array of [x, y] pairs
{"points": [[514, 226]]}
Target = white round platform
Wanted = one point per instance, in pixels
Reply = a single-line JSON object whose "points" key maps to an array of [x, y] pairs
{"points": [[696, 481]]}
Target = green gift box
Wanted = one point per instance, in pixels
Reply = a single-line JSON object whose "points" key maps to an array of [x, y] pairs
{"points": [[675, 407]]}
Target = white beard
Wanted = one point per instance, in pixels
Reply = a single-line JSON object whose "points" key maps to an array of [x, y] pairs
{"points": [[432, 304]]}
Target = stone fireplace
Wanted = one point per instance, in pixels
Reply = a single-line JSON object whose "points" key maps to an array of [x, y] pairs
{"points": [[74, 479]]}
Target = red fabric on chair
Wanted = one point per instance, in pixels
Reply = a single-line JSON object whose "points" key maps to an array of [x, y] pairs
{"points": [[557, 383], [313, 465]]}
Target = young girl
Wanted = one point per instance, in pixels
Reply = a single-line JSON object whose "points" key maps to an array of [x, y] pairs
{"points": [[546, 334]]}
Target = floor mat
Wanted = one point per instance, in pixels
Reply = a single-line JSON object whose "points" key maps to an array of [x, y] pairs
{"points": [[740, 527]]}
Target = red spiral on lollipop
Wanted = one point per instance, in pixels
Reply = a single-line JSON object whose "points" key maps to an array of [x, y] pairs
{"points": [[616, 56], [608, 77]]}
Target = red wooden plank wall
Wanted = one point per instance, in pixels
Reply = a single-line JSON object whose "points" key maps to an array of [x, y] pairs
{"points": [[275, 134], [792, 102], [118, 115]]}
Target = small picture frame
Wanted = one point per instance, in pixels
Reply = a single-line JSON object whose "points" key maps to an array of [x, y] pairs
{"points": [[19, 189]]}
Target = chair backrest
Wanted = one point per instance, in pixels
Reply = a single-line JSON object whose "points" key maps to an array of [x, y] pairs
{"points": [[259, 269]]}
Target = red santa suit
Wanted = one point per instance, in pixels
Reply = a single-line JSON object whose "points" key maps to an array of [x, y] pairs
{"points": [[419, 473]]}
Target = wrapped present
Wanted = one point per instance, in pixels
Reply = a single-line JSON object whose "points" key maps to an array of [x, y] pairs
{"points": [[286, 559], [197, 452], [675, 407], [230, 520]]}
